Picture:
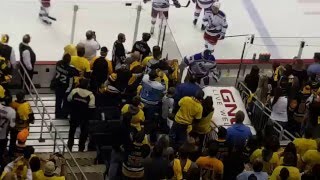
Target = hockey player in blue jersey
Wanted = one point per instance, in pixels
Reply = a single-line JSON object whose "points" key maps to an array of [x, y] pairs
{"points": [[202, 66]]}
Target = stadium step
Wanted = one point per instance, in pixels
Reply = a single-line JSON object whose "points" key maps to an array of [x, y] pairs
{"points": [[94, 172], [82, 158]]}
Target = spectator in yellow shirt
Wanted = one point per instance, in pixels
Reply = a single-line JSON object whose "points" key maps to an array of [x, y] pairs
{"points": [[267, 155], [70, 49], [311, 158], [190, 110], [134, 111], [305, 143], [287, 170], [35, 166], [49, 172], [210, 165], [80, 62]]}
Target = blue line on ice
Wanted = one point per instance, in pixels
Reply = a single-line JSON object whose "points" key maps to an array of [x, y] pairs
{"points": [[261, 27]]}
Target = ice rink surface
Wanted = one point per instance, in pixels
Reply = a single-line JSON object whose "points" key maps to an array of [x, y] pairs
{"points": [[271, 21]]}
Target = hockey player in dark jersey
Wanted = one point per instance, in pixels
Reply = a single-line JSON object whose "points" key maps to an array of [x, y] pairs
{"points": [[203, 67], [142, 46], [64, 79], [160, 8]]}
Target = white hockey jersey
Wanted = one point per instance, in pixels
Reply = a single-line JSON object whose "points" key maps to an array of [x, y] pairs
{"points": [[216, 24], [161, 5], [204, 4]]}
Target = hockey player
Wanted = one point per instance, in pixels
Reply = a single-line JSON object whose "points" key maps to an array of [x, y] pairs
{"points": [[161, 8], [201, 4], [44, 14], [203, 67], [215, 26]]}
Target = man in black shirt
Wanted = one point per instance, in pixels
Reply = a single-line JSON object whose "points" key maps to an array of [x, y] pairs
{"points": [[82, 107], [118, 52], [64, 79], [142, 46], [99, 70]]}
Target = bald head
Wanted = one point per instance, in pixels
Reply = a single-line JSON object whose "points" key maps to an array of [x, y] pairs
{"points": [[135, 56]]}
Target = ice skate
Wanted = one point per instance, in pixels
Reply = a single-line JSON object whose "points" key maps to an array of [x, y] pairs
{"points": [[152, 30], [195, 21], [203, 27]]}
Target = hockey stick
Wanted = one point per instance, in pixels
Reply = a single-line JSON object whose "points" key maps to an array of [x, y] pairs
{"points": [[187, 5], [163, 38], [52, 18], [238, 35]]}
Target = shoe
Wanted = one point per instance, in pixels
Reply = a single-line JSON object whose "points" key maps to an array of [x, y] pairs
{"points": [[203, 27], [152, 30], [195, 21]]}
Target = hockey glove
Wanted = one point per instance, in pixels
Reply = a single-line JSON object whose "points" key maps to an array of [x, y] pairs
{"points": [[177, 4]]}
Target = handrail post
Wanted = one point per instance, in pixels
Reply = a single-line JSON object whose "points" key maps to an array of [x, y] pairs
{"points": [[139, 9], [41, 128], [74, 20], [54, 141]]}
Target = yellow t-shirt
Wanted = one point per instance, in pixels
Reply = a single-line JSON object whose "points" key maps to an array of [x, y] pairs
{"points": [[294, 173], [136, 119], [210, 163], [38, 175], [203, 127], [134, 64], [267, 166], [146, 60], [190, 109], [311, 158], [303, 145], [81, 64], [55, 178], [110, 69]]}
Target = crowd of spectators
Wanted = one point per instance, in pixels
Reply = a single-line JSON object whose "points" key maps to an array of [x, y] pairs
{"points": [[163, 129]]}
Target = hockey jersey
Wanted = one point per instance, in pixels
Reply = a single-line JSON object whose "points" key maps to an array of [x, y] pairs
{"points": [[161, 5], [216, 24], [204, 4], [200, 66]]}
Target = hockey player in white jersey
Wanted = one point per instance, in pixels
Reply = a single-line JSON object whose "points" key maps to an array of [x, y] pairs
{"points": [[160, 8], [202, 66], [201, 4], [44, 12], [215, 26]]}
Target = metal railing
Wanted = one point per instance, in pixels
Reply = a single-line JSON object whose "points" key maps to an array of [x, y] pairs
{"points": [[50, 126], [259, 114]]}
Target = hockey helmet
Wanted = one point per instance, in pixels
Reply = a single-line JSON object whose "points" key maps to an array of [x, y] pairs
{"points": [[206, 54]]}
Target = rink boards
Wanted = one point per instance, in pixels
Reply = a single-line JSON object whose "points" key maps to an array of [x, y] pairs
{"points": [[226, 102]]}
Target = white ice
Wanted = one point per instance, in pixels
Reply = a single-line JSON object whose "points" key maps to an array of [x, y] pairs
{"points": [[294, 18]]}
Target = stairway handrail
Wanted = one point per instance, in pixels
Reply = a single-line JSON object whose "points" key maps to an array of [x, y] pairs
{"points": [[283, 131], [45, 111]]}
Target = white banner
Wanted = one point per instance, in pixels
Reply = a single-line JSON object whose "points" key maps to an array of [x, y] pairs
{"points": [[226, 102]]}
